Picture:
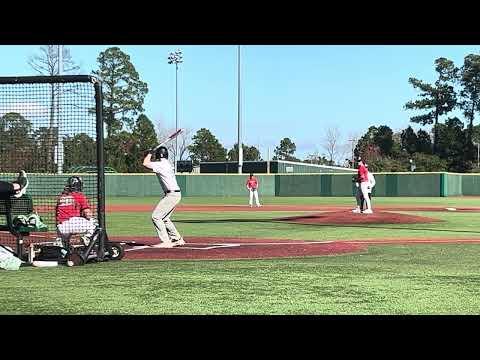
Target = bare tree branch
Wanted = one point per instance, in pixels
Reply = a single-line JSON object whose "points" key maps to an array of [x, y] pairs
{"points": [[184, 140], [331, 143], [47, 62]]}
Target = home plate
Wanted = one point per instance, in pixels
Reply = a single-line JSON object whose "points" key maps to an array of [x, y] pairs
{"points": [[210, 247], [451, 209], [138, 248]]}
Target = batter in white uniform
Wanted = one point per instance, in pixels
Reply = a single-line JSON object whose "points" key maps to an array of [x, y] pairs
{"points": [[167, 233]]}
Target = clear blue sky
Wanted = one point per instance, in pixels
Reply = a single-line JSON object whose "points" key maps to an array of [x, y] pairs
{"points": [[288, 91]]}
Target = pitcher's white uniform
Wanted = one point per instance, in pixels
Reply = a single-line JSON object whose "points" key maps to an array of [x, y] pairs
{"points": [[371, 181]]}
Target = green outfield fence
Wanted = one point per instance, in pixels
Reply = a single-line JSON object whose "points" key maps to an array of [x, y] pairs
{"points": [[388, 184]]}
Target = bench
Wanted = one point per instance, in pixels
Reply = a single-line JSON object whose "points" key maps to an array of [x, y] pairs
{"points": [[10, 207]]}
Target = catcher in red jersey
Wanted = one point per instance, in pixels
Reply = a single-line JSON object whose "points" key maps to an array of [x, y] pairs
{"points": [[73, 214], [252, 186]]}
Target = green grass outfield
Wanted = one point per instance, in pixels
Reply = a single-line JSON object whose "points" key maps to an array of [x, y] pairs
{"points": [[312, 200], [266, 225], [386, 279]]}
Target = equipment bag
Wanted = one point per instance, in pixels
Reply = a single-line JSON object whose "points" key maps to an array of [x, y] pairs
{"points": [[52, 253], [29, 223], [8, 260]]}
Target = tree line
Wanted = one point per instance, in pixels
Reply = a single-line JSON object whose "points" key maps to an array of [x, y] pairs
{"points": [[451, 146]]}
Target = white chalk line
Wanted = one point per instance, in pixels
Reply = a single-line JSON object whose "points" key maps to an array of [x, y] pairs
{"points": [[210, 246], [403, 242]]}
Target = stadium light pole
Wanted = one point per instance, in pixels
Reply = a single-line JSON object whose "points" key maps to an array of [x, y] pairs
{"points": [[353, 140], [478, 153], [176, 58], [239, 114], [59, 133]]}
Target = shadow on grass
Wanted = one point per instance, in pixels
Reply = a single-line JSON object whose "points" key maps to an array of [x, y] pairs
{"points": [[321, 225]]}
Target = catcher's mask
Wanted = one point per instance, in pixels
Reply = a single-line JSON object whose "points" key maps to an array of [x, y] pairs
{"points": [[161, 153], [75, 183]]}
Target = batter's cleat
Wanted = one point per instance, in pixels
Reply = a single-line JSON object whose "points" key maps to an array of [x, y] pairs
{"points": [[179, 242], [356, 211], [163, 245], [368, 211], [23, 182]]}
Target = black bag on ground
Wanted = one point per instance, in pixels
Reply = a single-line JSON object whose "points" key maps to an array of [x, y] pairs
{"points": [[52, 253]]}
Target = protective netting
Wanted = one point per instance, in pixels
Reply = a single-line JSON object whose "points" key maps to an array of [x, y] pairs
{"points": [[49, 130]]}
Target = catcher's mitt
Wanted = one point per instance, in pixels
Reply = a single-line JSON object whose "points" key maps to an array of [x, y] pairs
{"points": [[74, 260]]}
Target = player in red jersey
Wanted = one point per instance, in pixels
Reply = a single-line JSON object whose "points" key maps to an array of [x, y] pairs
{"points": [[364, 185], [363, 188], [252, 186], [73, 214]]}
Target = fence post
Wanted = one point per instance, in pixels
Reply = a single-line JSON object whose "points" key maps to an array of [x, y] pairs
{"points": [[443, 185]]}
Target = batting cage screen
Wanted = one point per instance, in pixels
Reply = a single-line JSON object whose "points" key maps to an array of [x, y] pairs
{"points": [[50, 126]]}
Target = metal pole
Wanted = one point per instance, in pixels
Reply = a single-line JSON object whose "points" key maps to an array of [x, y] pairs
{"points": [[353, 151], [176, 58], [176, 116], [100, 168], [59, 132], [478, 155], [353, 156], [240, 144], [268, 160]]}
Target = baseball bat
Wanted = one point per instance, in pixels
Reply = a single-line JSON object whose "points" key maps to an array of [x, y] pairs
{"points": [[171, 137]]}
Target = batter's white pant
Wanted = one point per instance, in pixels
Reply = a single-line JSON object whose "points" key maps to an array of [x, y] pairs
{"points": [[254, 193], [364, 187], [76, 225], [167, 232]]}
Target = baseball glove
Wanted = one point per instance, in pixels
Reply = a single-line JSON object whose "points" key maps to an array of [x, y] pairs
{"points": [[74, 260]]}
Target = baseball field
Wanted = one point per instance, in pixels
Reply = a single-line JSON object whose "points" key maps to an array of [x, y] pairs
{"points": [[294, 255]]}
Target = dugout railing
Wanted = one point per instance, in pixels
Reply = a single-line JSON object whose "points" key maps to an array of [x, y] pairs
{"points": [[49, 124]]}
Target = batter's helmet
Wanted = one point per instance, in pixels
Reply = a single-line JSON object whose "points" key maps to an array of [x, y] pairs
{"points": [[162, 152], [75, 183]]}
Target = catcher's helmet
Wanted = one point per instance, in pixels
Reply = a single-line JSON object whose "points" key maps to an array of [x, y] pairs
{"points": [[161, 153], [75, 183]]}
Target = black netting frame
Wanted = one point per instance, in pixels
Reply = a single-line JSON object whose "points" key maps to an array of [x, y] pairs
{"points": [[51, 127]]}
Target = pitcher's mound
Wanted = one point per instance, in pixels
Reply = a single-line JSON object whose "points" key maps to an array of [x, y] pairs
{"points": [[347, 217]]}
